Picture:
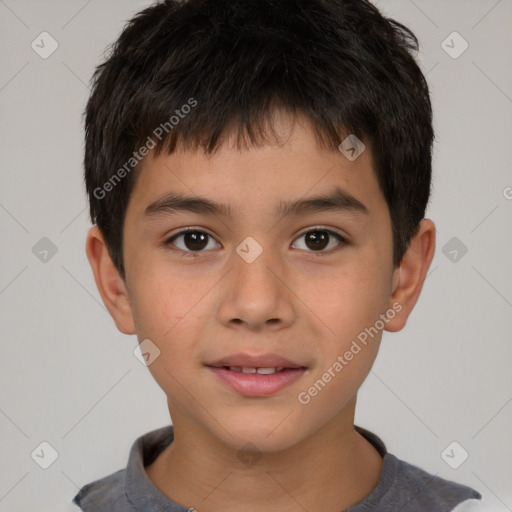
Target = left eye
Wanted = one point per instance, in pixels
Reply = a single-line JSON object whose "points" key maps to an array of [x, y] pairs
{"points": [[316, 240]]}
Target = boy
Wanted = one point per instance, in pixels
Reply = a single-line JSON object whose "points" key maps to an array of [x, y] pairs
{"points": [[258, 173]]}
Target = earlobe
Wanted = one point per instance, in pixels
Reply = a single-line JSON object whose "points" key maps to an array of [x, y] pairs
{"points": [[110, 284], [409, 277]]}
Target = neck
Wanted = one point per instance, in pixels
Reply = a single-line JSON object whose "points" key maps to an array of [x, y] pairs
{"points": [[329, 471]]}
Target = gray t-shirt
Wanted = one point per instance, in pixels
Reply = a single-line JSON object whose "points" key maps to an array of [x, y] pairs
{"points": [[402, 487]]}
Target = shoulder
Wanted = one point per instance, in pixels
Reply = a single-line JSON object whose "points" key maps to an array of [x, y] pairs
{"points": [[408, 488], [416, 489], [119, 491], [107, 493], [471, 506]]}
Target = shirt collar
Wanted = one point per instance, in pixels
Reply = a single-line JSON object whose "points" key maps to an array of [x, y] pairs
{"points": [[140, 491]]}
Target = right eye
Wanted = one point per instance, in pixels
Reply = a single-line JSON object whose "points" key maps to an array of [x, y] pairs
{"points": [[190, 241]]}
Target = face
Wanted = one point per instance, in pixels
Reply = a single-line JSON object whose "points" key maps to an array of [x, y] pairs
{"points": [[250, 287]]}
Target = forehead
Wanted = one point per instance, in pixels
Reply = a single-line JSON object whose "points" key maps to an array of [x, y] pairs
{"points": [[267, 177]]}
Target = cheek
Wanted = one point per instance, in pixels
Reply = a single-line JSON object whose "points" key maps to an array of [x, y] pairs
{"points": [[170, 310], [336, 384], [347, 299], [346, 353], [164, 313], [159, 305]]}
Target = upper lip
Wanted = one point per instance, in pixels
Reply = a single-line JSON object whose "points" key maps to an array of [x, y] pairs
{"points": [[261, 361]]}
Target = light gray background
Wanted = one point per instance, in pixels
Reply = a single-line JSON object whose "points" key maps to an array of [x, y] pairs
{"points": [[69, 378]]}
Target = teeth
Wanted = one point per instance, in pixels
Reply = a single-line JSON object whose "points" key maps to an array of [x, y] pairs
{"points": [[261, 371], [266, 371]]}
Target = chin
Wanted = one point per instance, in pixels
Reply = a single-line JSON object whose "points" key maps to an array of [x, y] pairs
{"points": [[273, 433]]}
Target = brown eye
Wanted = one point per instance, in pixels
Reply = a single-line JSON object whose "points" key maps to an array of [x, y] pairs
{"points": [[191, 241], [195, 240], [316, 240]]}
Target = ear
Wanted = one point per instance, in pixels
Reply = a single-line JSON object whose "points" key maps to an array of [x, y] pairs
{"points": [[409, 277], [110, 284]]}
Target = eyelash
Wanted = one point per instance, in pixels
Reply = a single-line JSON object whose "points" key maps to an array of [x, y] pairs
{"points": [[187, 253]]}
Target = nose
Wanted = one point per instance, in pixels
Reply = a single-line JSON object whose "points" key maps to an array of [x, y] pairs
{"points": [[256, 296]]}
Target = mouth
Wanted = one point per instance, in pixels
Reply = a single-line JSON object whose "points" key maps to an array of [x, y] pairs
{"points": [[252, 370], [257, 376]]}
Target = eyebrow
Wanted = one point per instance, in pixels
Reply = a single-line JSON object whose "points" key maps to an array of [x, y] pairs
{"points": [[339, 200]]}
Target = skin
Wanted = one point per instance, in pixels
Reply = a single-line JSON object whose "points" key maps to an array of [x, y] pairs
{"points": [[303, 304]]}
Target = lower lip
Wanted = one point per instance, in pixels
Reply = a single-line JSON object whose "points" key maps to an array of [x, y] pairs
{"points": [[255, 384]]}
